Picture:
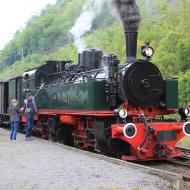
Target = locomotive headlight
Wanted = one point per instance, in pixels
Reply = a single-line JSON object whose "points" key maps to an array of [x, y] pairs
{"points": [[123, 113], [147, 51], [130, 130], [187, 112], [186, 128]]}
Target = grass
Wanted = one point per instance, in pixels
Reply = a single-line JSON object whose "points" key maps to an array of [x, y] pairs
{"points": [[185, 142]]}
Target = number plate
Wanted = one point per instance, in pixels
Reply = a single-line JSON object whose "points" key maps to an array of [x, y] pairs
{"points": [[166, 135]]}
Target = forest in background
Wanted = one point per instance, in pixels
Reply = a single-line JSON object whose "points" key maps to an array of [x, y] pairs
{"points": [[165, 23]]}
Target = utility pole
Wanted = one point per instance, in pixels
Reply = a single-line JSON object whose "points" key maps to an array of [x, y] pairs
{"points": [[148, 4], [22, 53]]}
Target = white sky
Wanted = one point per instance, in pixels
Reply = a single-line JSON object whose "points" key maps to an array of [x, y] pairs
{"points": [[15, 13]]}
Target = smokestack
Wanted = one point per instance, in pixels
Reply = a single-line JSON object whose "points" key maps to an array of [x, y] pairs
{"points": [[131, 43], [130, 16]]}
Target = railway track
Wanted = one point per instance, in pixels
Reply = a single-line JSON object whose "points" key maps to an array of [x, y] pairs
{"points": [[185, 150], [180, 165], [183, 161]]}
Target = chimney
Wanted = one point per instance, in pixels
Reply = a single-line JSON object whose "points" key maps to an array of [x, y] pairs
{"points": [[131, 46]]}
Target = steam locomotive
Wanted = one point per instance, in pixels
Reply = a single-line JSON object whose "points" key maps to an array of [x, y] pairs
{"points": [[102, 105]]}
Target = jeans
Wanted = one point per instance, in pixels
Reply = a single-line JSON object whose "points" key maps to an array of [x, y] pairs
{"points": [[14, 129], [29, 125]]}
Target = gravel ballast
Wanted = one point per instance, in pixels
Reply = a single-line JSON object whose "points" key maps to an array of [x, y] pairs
{"points": [[42, 165]]}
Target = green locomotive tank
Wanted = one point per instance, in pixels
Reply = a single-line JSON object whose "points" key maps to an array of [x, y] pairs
{"points": [[82, 96]]}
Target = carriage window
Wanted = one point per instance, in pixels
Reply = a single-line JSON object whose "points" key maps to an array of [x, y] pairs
{"points": [[25, 82], [40, 79]]}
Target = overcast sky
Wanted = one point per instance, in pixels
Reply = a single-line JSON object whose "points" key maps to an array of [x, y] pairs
{"points": [[15, 13]]}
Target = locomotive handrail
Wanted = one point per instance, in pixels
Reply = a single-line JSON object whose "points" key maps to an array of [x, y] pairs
{"points": [[56, 73]]}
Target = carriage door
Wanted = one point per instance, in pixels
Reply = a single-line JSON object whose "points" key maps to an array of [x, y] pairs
{"points": [[12, 89], [6, 97]]}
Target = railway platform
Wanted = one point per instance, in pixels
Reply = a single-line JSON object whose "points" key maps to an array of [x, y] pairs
{"points": [[40, 164]]}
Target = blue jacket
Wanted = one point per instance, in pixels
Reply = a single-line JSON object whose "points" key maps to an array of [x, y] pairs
{"points": [[31, 109]]}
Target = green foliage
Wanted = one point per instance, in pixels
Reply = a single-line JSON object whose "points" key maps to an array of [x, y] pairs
{"points": [[184, 88], [165, 23], [19, 67], [68, 52], [43, 34]]}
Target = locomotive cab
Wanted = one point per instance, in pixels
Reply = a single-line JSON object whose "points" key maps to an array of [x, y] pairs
{"points": [[50, 72], [28, 80]]}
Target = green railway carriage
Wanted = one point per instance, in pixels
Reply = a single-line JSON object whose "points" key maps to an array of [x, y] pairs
{"points": [[9, 90], [15, 89], [4, 97]]}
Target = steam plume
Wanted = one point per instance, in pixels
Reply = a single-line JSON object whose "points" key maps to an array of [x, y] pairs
{"points": [[84, 23], [129, 14]]}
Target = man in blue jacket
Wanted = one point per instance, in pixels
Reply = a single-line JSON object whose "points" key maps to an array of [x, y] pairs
{"points": [[30, 109]]}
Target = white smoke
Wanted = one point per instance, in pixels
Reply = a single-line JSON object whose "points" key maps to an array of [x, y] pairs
{"points": [[113, 10], [84, 23]]}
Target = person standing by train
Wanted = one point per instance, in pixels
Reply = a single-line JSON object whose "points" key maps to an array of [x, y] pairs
{"points": [[14, 119], [30, 108]]}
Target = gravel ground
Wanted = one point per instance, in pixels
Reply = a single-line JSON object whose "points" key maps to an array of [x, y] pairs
{"points": [[42, 165]]}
